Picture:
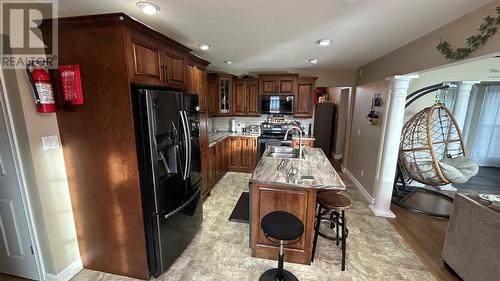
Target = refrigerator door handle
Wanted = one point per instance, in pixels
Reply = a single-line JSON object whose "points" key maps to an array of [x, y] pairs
{"points": [[183, 205], [189, 145], [186, 150]]}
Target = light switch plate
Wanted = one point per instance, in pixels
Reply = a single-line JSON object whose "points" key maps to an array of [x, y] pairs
{"points": [[50, 142]]}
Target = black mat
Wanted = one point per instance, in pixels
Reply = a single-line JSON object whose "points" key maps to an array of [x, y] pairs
{"points": [[241, 212]]}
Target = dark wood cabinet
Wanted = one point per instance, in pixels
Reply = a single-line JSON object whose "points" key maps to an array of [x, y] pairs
{"points": [[252, 89], [245, 97], [300, 202], [304, 98], [306, 142], [175, 68], [212, 97], [205, 171], [145, 59], [203, 130], [278, 84], [243, 154], [196, 79]]}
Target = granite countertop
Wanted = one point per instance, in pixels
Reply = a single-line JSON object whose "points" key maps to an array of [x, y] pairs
{"points": [[314, 171], [215, 137]]}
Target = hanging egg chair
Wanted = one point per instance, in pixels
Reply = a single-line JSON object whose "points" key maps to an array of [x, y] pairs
{"points": [[432, 148]]}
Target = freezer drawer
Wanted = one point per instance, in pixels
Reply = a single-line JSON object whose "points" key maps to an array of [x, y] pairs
{"points": [[174, 231]]}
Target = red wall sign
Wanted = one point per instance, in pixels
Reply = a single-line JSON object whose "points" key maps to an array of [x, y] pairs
{"points": [[71, 83]]}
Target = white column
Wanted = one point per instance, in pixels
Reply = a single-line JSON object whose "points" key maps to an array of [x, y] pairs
{"points": [[462, 101], [391, 137]]}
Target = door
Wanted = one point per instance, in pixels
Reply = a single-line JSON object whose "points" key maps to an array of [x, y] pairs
{"points": [[234, 151], [175, 63], [252, 89], [16, 256], [212, 101], [239, 98], [286, 85], [268, 85], [303, 104], [145, 63]]}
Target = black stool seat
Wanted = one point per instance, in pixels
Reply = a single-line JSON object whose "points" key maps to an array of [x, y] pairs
{"points": [[282, 226]]}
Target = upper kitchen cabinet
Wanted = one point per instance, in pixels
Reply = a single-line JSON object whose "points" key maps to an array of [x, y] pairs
{"points": [[304, 97], [220, 93], [196, 79], [278, 84], [174, 66], [145, 59], [245, 97]]}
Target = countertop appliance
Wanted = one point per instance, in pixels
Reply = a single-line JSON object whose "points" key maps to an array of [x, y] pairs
{"points": [[273, 134], [276, 104], [167, 133]]}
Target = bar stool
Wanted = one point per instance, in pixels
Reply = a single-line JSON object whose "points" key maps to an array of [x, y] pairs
{"points": [[331, 209], [281, 226]]}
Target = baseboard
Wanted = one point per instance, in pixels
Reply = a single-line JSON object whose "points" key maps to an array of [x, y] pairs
{"points": [[369, 199], [385, 214], [69, 272]]}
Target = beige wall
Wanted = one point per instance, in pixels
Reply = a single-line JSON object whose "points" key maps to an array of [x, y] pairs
{"points": [[364, 143], [46, 176], [422, 54]]}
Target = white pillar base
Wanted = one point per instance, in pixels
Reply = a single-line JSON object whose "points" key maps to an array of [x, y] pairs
{"points": [[382, 213]]}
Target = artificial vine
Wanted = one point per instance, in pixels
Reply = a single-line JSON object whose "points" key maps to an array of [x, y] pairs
{"points": [[486, 30]]}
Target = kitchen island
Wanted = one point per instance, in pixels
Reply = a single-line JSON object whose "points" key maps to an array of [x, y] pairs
{"points": [[282, 182]]}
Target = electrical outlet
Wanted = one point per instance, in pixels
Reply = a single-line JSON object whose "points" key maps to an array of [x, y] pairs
{"points": [[362, 173], [359, 132]]}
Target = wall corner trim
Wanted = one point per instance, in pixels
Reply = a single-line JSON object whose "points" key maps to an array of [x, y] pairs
{"points": [[368, 198], [69, 272]]}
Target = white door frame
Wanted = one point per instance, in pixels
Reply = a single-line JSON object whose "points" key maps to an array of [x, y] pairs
{"points": [[22, 179]]}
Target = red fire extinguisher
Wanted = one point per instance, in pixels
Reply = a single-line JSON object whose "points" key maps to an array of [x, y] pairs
{"points": [[42, 89]]}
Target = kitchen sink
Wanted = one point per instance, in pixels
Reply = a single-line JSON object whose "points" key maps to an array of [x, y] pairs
{"points": [[283, 152]]}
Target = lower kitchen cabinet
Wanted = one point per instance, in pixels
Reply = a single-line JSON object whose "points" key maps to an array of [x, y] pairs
{"points": [[243, 154], [308, 143], [237, 154]]}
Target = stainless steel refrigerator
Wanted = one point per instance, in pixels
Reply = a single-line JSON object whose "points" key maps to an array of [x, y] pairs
{"points": [[167, 133]]}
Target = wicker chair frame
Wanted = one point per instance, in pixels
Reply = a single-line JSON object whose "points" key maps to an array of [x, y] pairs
{"points": [[428, 137]]}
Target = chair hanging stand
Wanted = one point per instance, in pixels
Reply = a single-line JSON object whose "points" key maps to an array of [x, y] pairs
{"points": [[431, 153]]}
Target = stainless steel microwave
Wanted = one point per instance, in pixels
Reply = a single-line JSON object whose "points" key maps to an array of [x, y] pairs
{"points": [[276, 104]]}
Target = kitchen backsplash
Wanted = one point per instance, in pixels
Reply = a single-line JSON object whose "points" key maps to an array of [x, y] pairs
{"points": [[224, 123]]}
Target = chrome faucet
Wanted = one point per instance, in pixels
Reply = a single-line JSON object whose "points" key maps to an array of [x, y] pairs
{"points": [[300, 137]]}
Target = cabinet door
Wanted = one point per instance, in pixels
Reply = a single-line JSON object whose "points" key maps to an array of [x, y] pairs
{"points": [[211, 97], [203, 130], [191, 79], [227, 152], [210, 168], [268, 86], [205, 167], [303, 103], [215, 164], [201, 87], [252, 154], [244, 152], [175, 64], [286, 85], [224, 96], [144, 60], [235, 153], [239, 97], [252, 91]]}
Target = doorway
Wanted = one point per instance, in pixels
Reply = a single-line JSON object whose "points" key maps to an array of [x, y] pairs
{"points": [[17, 255]]}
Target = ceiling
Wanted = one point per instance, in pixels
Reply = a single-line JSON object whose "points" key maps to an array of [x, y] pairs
{"points": [[267, 35]]}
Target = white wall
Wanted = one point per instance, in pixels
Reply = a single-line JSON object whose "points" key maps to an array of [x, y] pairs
{"points": [[46, 176]]}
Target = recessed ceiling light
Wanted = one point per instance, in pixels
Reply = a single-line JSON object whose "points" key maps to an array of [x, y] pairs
{"points": [[204, 46], [147, 7], [228, 62], [324, 42], [314, 61]]}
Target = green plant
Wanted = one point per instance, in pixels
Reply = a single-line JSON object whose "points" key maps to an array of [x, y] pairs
{"points": [[486, 30]]}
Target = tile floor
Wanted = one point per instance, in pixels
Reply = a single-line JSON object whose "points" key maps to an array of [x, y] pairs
{"points": [[220, 250]]}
